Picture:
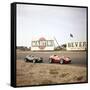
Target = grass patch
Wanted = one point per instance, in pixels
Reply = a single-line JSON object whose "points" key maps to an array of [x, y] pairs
{"points": [[64, 75], [53, 71], [46, 81], [78, 78]]}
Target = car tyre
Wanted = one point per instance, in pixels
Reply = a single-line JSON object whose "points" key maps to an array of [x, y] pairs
{"points": [[34, 61], [50, 60], [40, 60], [61, 61]]}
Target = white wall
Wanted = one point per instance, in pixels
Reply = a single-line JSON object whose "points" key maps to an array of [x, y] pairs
{"points": [[45, 49], [42, 45], [5, 45], [76, 46]]}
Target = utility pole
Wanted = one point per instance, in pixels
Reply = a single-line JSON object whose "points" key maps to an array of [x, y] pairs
{"points": [[56, 42]]}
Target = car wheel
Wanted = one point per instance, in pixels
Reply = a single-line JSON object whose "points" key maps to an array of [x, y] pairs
{"points": [[40, 60], [50, 60], [61, 61], [34, 61], [70, 62]]}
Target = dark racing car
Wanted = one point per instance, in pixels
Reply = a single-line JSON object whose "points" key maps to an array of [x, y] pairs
{"points": [[58, 59], [34, 59]]}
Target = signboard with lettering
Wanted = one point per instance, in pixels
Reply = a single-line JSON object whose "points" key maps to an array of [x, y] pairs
{"points": [[42, 44], [77, 46]]}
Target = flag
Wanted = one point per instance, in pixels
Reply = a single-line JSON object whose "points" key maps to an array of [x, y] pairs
{"points": [[71, 35]]}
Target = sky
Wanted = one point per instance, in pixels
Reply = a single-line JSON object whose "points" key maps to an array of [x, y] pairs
{"points": [[51, 21]]}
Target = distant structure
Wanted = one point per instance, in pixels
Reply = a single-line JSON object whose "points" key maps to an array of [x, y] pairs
{"points": [[42, 44], [76, 46], [48, 44]]}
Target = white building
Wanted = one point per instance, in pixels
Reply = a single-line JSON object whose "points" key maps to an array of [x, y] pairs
{"points": [[76, 46], [42, 44]]}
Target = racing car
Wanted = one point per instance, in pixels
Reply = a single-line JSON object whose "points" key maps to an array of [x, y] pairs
{"points": [[58, 59], [34, 59]]}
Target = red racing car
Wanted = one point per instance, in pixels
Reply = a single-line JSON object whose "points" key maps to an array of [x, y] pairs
{"points": [[58, 59]]}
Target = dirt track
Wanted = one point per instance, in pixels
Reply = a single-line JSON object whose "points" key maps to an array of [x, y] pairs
{"points": [[38, 74], [45, 73], [78, 58]]}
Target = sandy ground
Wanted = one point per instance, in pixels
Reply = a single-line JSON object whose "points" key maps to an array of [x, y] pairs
{"points": [[43, 73]]}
